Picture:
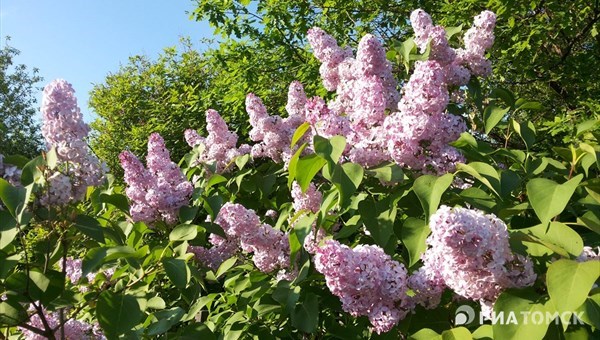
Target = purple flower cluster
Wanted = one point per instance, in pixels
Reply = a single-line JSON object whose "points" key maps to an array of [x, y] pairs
{"points": [[270, 247], [10, 173], [309, 201], [367, 281], [273, 134], [63, 128], [220, 144], [73, 329], [588, 254], [469, 253], [159, 191], [365, 88], [418, 135]]}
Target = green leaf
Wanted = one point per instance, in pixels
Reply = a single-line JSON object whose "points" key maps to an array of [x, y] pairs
{"points": [[524, 104], [587, 125], [96, 257], [458, 333], [306, 169], [8, 229], [484, 173], [156, 303], [378, 217], [484, 332], [90, 227], [225, 266], [549, 198], [177, 271], [214, 180], [293, 165], [12, 313], [165, 320], [451, 31], [12, 197], [299, 133], [183, 232], [429, 190], [520, 302], [346, 178], [33, 171], [196, 331], [51, 158], [414, 232], [388, 173], [187, 214], [242, 160], [492, 115], [8, 263], [569, 283], [302, 227], [558, 237], [526, 131], [425, 334], [46, 286], [118, 200], [306, 314], [589, 311], [330, 149], [117, 313]]}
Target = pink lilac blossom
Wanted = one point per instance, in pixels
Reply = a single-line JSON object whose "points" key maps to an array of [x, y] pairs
{"points": [[309, 201], [220, 144], [469, 252], [418, 135], [73, 329], [478, 39], [159, 191], [365, 88], [221, 250], [10, 173], [63, 128], [312, 241], [271, 132], [270, 247], [367, 281], [588, 254], [272, 214]]}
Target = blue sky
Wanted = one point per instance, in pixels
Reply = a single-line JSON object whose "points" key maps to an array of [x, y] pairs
{"points": [[84, 40]]}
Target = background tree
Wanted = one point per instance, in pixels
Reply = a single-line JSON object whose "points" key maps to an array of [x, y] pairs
{"points": [[19, 131], [166, 95]]}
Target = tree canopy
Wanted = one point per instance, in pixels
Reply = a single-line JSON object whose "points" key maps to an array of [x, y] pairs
{"points": [[19, 131]]}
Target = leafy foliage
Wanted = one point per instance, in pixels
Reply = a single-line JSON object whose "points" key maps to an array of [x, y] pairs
{"points": [[19, 132]]}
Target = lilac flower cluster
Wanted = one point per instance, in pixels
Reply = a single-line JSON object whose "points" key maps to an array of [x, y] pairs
{"points": [[10, 173], [73, 329], [74, 271], [63, 128], [588, 254], [220, 144], [309, 201], [270, 247], [469, 253], [418, 135], [365, 88], [273, 134], [159, 191], [367, 281]]}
